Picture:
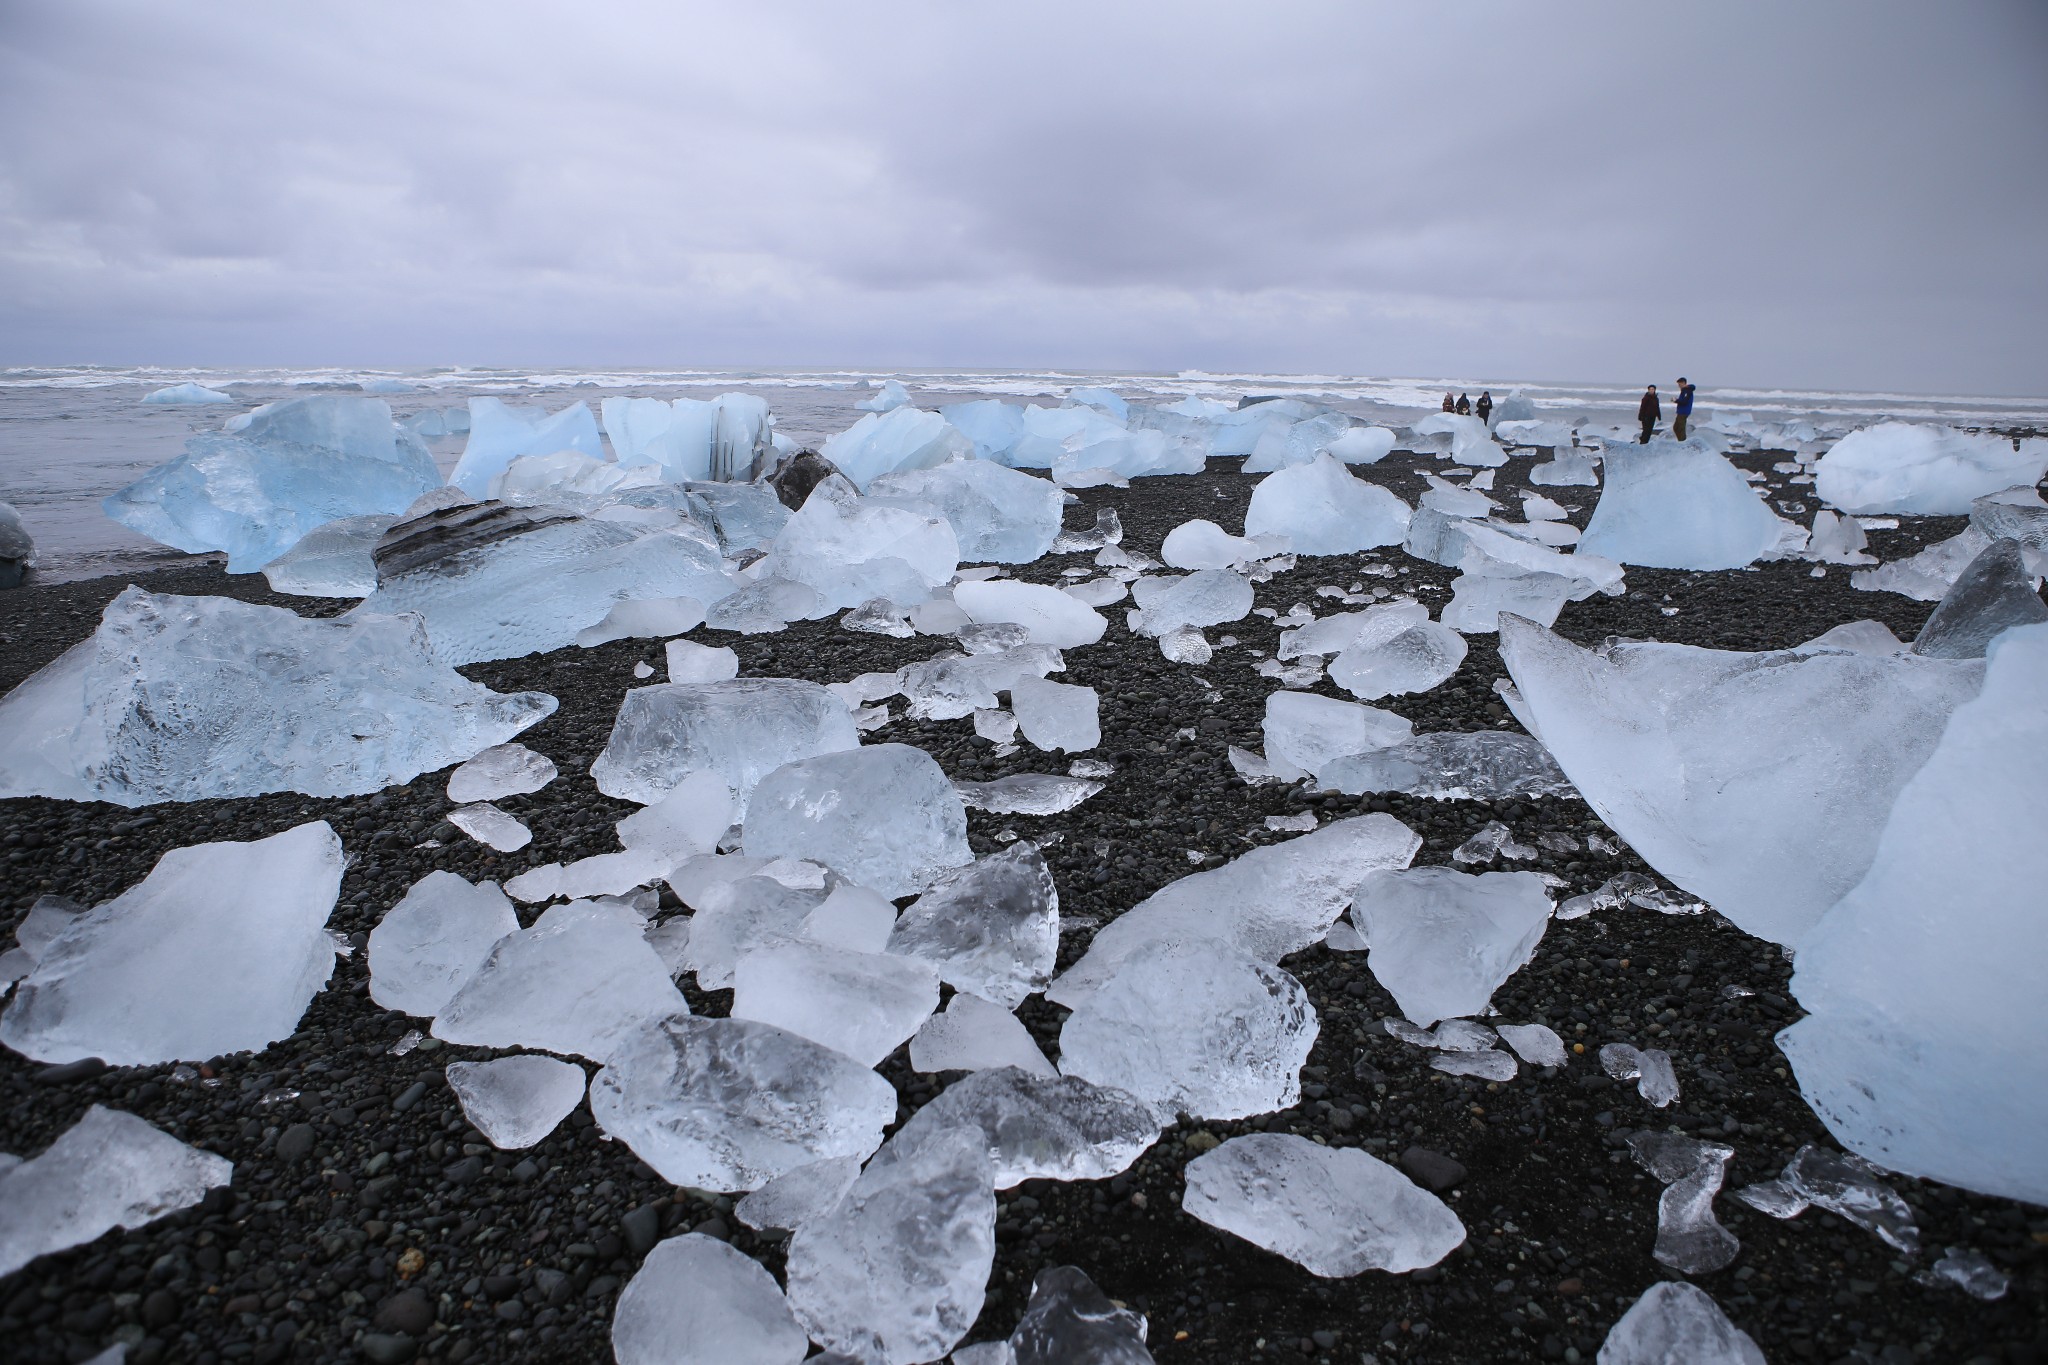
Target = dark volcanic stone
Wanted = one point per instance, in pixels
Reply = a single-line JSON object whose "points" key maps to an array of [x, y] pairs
{"points": [[1431, 1170]]}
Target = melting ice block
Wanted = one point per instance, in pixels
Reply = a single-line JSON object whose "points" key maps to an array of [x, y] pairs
{"points": [[1390, 656], [578, 982], [1205, 545], [1673, 505], [516, 1101], [1674, 1322], [1993, 594], [1056, 715], [860, 1004], [972, 1034], [1471, 443], [883, 816], [697, 1299], [1569, 467], [691, 438], [649, 618], [124, 981], [790, 1200], [185, 698], [187, 394], [1443, 941], [276, 473], [690, 662], [1335, 1212], [501, 770], [1924, 470], [1758, 782], [500, 433], [729, 1104], [1689, 1238], [1195, 1027], [1323, 510], [1536, 1044], [335, 559], [488, 825], [1050, 616], [1649, 1068], [741, 729], [1027, 794], [992, 927], [1206, 597], [432, 941], [1484, 765], [900, 439], [1309, 730], [849, 549], [737, 917], [1070, 1320], [690, 820], [107, 1170], [1037, 1127], [1928, 575], [999, 515], [1922, 986], [766, 606]]}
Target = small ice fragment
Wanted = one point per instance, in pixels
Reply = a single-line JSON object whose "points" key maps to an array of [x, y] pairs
{"points": [[1689, 1238], [501, 770], [991, 927], [642, 670], [690, 662], [993, 638], [433, 940], [697, 1299], [736, 917], [1673, 1322], [879, 616], [1775, 1197], [1443, 941], [1484, 846], [1037, 1126], [1968, 1270], [603, 874], [406, 1043], [861, 1004], [1844, 1186], [1257, 771], [1056, 715], [516, 1101], [690, 820], [1091, 767], [1536, 1044], [1292, 824], [491, 827], [644, 618], [1310, 731], [995, 726], [1649, 1068], [1053, 617], [1185, 645], [792, 1199], [1068, 1319], [1490, 1064], [1030, 794], [972, 1034]]}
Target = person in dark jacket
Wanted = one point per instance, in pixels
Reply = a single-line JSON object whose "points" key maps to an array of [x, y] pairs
{"points": [[1682, 409], [1484, 407], [1464, 406], [1648, 411], [1450, 403]]}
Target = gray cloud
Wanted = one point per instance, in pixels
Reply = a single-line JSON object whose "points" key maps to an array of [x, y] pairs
{"points": [[1824, 194]]}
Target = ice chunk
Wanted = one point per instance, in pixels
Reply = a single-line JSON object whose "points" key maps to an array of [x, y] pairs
{"points": [[993, 425], [516, 1101], [1569, 467], [765, 607], [790, 1200], [1489, 843], [1196, 1027], [1967, 1270], [1844, 1186], [972, 1034], [105, 1171], [1335, 1212], [888, 396], [1108, 530], [689, 820], [736, 917], [1027, 793], [1485, 765], [1479, 597], [896, 1272], [1993, 594], [1037, 1127], [1672, 505], [878, 616], [1309, 730], [121, 981], [902, 438], [433, 940], [188, 394], [17, 548], [1536, 1044], [729, 1104], [697, 1299], [494, 581], [992, 927], [1098, 592], [1757, 782], [1207, 597], [1529, 432], [1362, 445], [1471, 443], [1928, 575], [1837, 540], [1056, 715], [1689, 1238], [1444, 941], [334, 559], [501, 770], [1452, 1035], [500, 433], [726, 437], [851, 917], [1673, 1322], [954, 685], [1185, 646], [1925, 470], [1859, 637], [849, 549], [1205, 545], [490, 826], [740, 729], [605, 874], [578, 982], [1069, 1320], [1323, 510], [884, 816], [650, 618], [1052, 617], [1486, 1064], [1271, 902], [1335, 634], [860, 1004], [1000, 516], [1649, 1068], [275, 474], [2015, 514], [1390, 656]]}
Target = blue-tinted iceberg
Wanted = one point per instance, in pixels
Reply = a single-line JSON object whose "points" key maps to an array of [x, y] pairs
{"points": [[901, 438], [1923, 470], [888, 398], [998, 515], [990, 423], [849, 549], [1673, 505], [271, 475], [188, 394], [1323, 510], [499, 433], [691, 439]]}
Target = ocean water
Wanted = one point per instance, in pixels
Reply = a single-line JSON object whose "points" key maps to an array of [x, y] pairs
{"points": [[71, 435]]}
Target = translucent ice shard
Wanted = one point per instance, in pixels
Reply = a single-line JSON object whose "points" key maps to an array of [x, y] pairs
{"points": [[697, 1299], [1673, 505], [1485, 765], [1323, 509], [729, 1104], [578, 982], [1056, 715], [1207, 597], [1536, 1044], [792, 1199], [184, 698], [488, 825], [1757, 782], [1195, 1027], [108, 1170], [1994, 593], [501, 770], [1335, 1212], [999, 515], [740, 729], [1689, 1238], [1925, 470], [737, 917], [648, 618], [1837, 540], [1928, 575], [884, 816], [120, 981], [1310, 731], [992, 927], [766, 606], [690, 662], [334, 559], [1569, 466], [1027, 794], [1444, 941], [516, 1101], [1486, 1064], [500, 432], [1968, 1270], [903, 438], [274, 474], [1847, 1187], [603, 874], [861, 1004], [1037, 1127], [1070, 1320], [848, 548], [1649, 1068], [1673, 1322], [971, 1034], [1389, 657], [432, 941]]}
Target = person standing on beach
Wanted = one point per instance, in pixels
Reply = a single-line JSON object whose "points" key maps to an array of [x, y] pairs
{"points": [[1682, 409], [1484, 407], [1464, 406], [1450, 403], [1647, 412]]}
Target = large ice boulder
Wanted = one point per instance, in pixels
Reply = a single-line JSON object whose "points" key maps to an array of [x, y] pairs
{"points": [[271, 475], [901, 438], [1758, 782], [186, 698], [1471, 443], [1206, 597], [1920, 1049], [990, 423], [691, 438], [999, 515], [1202, 544], [741, 729], [499, 433], [1673, 505], [1323, 510], [1924, 470], [849, 549], [125, 981], [17, 548], [187, 394], [1282, 446], [885, 816]]}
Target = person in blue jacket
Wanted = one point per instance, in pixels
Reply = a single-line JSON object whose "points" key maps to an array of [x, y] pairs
{"points": [[1683, 409]]}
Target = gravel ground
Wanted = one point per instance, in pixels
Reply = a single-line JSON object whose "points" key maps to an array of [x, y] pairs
{"points": [[367, 1221]]}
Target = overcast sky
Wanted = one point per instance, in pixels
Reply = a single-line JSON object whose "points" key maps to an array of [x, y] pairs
{"points": [[1847, 195]]}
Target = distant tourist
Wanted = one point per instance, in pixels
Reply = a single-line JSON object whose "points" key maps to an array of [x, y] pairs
{"points": [[1683, 408], [1648, 411], [1450, 403], [1484, 407], [1464, 406]]}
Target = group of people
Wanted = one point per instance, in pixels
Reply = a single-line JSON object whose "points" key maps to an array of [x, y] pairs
{"points": [[1650, 410], [1465, 407]]}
